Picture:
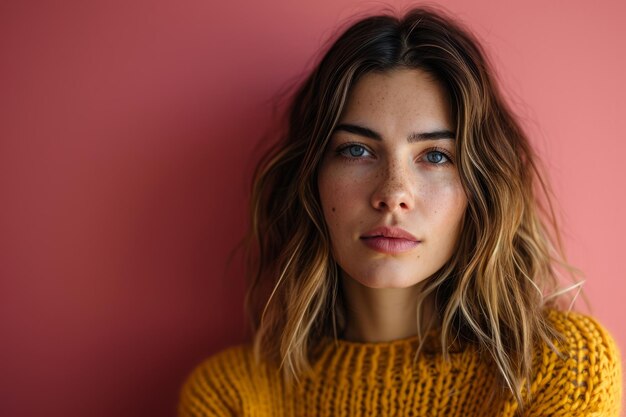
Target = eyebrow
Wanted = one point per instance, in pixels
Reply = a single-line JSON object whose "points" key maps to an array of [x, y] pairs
{"points": [[413, 137]]}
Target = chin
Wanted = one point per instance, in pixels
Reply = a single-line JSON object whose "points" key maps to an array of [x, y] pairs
{"points": [[388, 281]]}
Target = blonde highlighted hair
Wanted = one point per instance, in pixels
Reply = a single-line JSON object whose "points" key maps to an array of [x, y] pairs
{"points": [[494, 290]]}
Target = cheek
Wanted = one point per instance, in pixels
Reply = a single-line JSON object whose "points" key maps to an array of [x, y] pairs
{"points": [[344, 208], [458, 199], [339, 193], [457, 208], [448, 204], [327, 188]]}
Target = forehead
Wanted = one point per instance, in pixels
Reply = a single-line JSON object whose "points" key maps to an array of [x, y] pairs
{"points": [[398, 96]]}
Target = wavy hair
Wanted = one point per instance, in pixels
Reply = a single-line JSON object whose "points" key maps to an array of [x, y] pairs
{"points": [[494, 290]]}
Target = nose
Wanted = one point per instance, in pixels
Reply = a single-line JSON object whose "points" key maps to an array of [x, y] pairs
{"points": [[394, 191]]}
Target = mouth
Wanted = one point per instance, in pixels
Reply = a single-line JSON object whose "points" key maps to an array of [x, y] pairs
{"points": [[389, 240], [389, 233]]}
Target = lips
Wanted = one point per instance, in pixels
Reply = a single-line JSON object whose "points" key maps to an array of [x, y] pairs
{"points": [[390, 240], [389, 232]]}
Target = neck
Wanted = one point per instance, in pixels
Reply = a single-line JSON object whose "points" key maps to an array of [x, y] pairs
{"points": [[383, 314]]}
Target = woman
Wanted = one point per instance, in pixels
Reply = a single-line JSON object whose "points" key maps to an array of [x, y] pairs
{"points": [[402, 261]]}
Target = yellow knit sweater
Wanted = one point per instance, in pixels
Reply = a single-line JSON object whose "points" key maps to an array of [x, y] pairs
{"points": [[379, 379]]}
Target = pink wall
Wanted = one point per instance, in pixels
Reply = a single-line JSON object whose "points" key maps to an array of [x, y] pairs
{"points": [[126, 131]]}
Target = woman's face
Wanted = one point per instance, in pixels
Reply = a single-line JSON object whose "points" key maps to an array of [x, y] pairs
{"points": [[388, 182]]}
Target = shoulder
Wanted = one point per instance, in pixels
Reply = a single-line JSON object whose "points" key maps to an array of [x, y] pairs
{"points": [[583, 377], [585, 343], [225, 361], [216, 385], [579, 326]]}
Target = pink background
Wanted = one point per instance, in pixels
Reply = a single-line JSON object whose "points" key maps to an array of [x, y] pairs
{"points": [[127, 137]]}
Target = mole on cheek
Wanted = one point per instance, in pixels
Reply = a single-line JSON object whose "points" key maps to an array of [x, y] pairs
{"points": [[333, 209]]}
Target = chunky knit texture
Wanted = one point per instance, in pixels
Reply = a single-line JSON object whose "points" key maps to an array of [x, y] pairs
{"points": [[379, 379]]}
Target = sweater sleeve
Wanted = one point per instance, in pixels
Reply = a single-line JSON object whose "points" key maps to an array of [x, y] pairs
{"points": [[209, 390], [588, 382]]}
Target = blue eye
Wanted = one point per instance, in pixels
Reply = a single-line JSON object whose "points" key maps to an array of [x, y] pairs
{"points": [[437, 157], [354, 151]]}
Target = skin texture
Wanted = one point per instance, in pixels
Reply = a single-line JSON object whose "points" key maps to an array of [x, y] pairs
{"points": [[366, 183]]}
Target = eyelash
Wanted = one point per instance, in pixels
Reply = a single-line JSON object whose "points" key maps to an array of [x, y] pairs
{"points": [[345, 147]]}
